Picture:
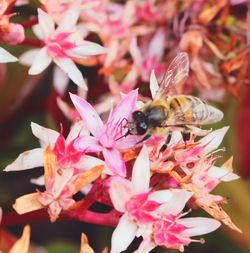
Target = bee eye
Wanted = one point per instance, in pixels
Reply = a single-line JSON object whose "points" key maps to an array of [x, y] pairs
{"points": [[138, 116], [141, 127]]}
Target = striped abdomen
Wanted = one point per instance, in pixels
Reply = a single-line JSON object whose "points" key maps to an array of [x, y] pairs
{"points": [[189, 110]]}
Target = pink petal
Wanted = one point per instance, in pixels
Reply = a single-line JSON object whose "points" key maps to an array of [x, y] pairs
{"points": [[123, 235], [124, 108], [88, 114], [69, 67], [40, 62], [199, 226], [114, 161], [27, 160], [5, 56], [141, 172], [1, 214], [234, 2], [46, 23], [120, 192], [87, 144], [45, 135], [127, 142], [156, 47]]}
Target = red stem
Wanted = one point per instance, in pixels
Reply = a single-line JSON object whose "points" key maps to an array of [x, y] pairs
{"points": [[30, 22], [12, 218], [32, 42], [106, 219]]}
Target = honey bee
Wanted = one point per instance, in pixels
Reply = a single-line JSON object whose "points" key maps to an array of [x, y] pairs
{"points": [[165, 111]]}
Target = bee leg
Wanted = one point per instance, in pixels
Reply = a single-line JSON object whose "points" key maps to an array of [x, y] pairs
{"points": [[146, 137], [165, 145], [186, 137]]}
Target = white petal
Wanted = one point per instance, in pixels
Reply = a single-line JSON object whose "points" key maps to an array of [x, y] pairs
{"points": [[60, 80], [135, 52], [46, 23], [146, 246], [153, 84], [120, 191], [213, 139], [40, 62], [28, 57], [199, 225], [45, 135], [141, 172], [177, 202], [76, 130], [27, 160], [38, 181], [60, 181], [161, 196], [222, 174], [69, 20], [86, 48], [5, 56], [176, 137], [69, 67], [88, 162], [36, 29], [123, 235]]}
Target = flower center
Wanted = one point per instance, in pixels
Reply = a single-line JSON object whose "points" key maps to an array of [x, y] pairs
{"points": [[58, 44], [139, 208], [168, 233]]}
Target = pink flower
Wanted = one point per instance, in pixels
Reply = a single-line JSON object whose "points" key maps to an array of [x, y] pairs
{"points": [[9, 32], [62, 46], [148, 55], [156, 215], [57, 8], [60, 186], [66, 155], [105, 136]]}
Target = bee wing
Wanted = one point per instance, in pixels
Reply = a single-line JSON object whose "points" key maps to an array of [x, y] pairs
{"points": [[175, 75], [195, 112]]}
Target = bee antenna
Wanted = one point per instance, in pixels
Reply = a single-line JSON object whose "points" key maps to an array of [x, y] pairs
{"points": [[125, 135]]}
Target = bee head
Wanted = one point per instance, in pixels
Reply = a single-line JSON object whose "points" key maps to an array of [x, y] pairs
{"points": [[140, 123]]}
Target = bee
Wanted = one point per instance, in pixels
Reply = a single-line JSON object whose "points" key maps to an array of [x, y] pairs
{"points": [[166, 111]]}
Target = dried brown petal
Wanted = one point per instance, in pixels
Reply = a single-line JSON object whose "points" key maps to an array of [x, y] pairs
{"points": [[85, 248], [27, 203], [22, 245], [87, 177]]}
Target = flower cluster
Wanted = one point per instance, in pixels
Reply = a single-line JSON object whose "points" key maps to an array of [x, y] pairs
{"points": [[148, 198], [134, 37], [150, 182]]}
